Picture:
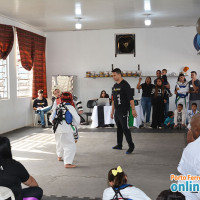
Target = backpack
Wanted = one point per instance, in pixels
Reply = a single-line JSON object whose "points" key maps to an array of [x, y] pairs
{"points": [[118, 194]]}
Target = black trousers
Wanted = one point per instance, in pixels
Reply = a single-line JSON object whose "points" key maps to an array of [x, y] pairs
{"points": [[158, 114], [36, 192], [100, 116], [121, 121]]}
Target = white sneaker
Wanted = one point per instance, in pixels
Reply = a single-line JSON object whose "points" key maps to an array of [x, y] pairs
{"points": [[148, 125]]}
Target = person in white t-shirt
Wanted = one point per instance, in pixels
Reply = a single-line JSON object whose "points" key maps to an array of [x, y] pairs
{"points": [[190, 160], [191, 113], [120, 189]]}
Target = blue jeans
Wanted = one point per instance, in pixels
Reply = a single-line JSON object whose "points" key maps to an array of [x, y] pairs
{"points": [[166, 110], [41, 113], [146, 106]]}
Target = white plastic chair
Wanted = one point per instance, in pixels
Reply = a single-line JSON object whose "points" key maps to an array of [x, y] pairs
{"points": [[6, 193], [37, 118]]}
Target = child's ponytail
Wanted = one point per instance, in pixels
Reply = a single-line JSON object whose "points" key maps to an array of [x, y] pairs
{"points": [[117, 176]]}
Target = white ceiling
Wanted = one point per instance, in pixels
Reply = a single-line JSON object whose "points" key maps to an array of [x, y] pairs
{"points": [[59, 15]]}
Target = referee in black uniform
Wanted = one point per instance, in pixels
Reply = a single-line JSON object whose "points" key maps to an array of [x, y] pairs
{"points": [[121, 101]]}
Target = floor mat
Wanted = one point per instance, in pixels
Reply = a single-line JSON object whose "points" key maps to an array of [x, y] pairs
{"points": [[133, 130], [67, 198]]}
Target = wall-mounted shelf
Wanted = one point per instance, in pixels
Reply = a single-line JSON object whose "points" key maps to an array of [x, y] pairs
{"points": [[133, 76], [111, 77]]}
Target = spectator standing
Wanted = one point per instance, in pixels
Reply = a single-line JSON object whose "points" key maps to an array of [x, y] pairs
{"points": [[158, 75], [181, 91], [194, 90], [166, 86], [146, 97], [159, 98]]}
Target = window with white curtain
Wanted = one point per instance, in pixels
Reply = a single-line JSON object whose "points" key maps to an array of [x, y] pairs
{"points": [[24, 77], [4, 79]]}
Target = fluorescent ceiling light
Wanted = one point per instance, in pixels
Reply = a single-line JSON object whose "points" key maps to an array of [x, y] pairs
{"points": [[78, 25], [147, 5], [147, 22], [78, 9]]}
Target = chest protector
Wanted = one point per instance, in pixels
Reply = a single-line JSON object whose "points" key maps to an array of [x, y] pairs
{"points": [[62, 113]]}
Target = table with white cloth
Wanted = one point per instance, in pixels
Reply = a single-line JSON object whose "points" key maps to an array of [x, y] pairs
{"points": [[136, 122]]}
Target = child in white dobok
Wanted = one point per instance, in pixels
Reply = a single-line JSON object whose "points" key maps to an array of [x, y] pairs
{"points": [[119, 189], [64, 129]]}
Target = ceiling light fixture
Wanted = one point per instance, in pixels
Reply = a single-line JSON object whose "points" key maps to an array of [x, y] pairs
{"points": [[78, 24], [147, 21], [147, 5], [78, 9]]}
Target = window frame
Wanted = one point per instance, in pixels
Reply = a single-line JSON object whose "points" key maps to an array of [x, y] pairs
{"points": [[7, 79], [25, 72]]}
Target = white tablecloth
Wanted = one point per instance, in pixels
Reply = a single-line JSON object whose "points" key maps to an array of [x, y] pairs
{"points": [[140, 118], [108, 120]]}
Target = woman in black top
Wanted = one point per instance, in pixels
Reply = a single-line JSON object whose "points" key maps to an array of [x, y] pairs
{"points": [[146, 97], [13, 173], [104, 94], [159, 98]]}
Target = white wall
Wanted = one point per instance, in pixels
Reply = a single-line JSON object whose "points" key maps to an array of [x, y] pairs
{"points": [[76, 52], [15, 112]]}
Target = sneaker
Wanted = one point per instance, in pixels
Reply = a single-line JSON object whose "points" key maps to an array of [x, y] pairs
{"points": [[130, 150], [43, 126], [148, 125], [117, 147], [154, 127]]}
